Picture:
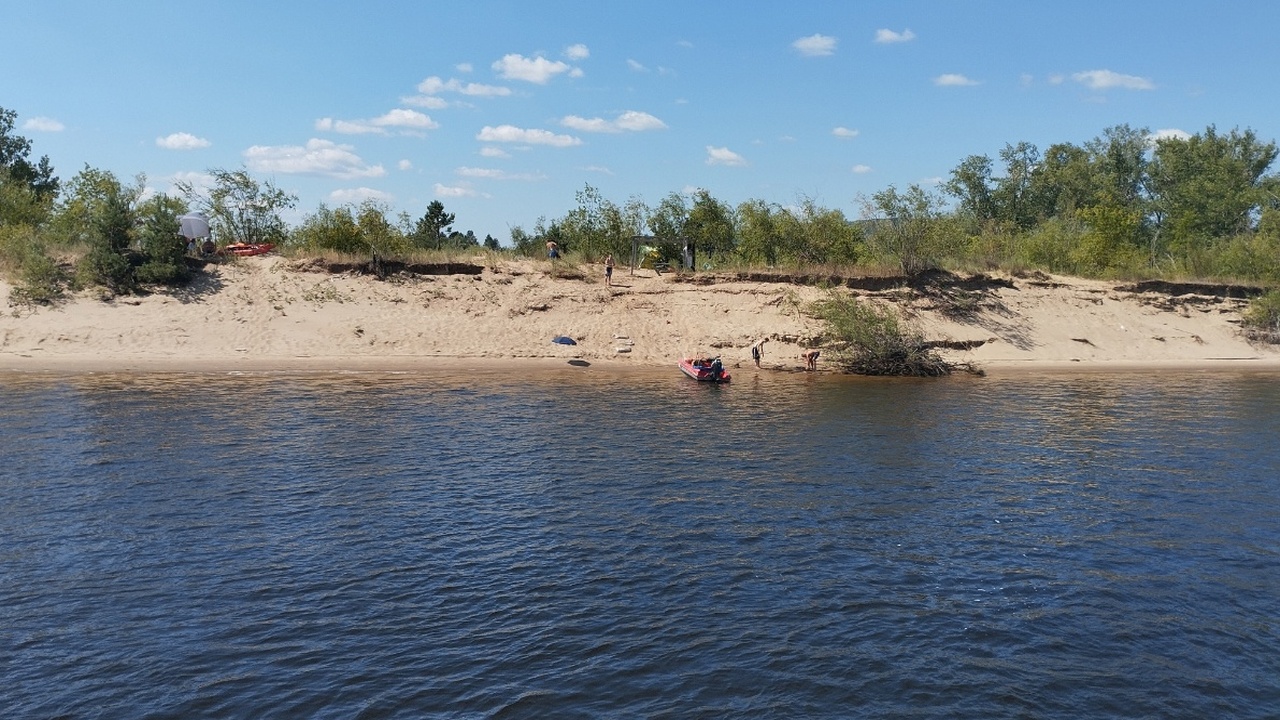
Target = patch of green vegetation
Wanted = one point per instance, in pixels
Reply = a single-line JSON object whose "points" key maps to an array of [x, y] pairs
{"points": [[871, 339], [1262, 318]]}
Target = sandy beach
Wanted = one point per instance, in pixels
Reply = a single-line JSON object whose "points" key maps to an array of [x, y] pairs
{"points": [[275, 313]]}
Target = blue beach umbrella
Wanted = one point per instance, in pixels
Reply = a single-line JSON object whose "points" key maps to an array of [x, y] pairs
{"points": [[563, 340]]}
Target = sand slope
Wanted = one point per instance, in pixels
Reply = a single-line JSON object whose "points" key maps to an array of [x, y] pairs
{"points": [[274, 313]]}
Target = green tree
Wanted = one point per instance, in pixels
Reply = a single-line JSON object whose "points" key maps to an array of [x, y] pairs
{"points": [[666, 222], [241, 209], [973, 187], [16, 165], [1211, 185], [760, 231], [163, 248], [1015, 195], [907, 227], [330, 229], [432, 229], [381, 239], [597, 226], [711, 226], [1063, 181]]}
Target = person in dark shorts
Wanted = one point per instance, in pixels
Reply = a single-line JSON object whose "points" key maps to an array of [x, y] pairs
{"points": [[608, 270], [810, 359]]}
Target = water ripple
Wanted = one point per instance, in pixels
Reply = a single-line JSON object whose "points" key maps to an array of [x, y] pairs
{"points": [[582, 545]]}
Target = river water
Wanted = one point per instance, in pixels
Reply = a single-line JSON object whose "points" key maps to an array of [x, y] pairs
{"points": [[585, 543]]}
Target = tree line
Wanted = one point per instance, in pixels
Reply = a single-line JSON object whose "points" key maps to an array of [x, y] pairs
{"points": [[1124, 203]]}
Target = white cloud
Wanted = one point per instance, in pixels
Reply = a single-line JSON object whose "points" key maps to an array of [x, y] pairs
{"points": [[359, 195], [598, 169], [537, 70], [43, 124], [886, 36], [317, 157], [953, 80], [1105, 80], [577, 52], [494, 152], [495, 174], [400, 118], [815, 45], [513, 134], [1168, 134], [455, 191], [724, 156], [844, 132], [202, 182], [404, 165], [1057, 79], [629, 121], [435, 85], [181, 141], [861, 169], [463, 67], [430, 102], [636, 66]]}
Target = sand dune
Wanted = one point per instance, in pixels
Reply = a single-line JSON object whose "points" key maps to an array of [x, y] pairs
{"points": [[275, 313]]}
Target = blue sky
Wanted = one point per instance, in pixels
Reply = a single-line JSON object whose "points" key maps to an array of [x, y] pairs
{"points": [[505, 110]]}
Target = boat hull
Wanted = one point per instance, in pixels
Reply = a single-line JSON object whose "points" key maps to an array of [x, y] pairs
{"points": [[702, 372]]}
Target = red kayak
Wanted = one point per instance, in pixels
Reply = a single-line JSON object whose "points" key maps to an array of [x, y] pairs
{"points": [[704, 369], [247, 249]]}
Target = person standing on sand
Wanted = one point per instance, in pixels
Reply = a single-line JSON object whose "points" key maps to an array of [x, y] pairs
{"points": [[810, 359], [757, 352], [553, 250], [608, 270]]}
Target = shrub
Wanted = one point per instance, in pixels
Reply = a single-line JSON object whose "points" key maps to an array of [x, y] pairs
{"points": [[37, 277], [1262, 318], [872, 339]]}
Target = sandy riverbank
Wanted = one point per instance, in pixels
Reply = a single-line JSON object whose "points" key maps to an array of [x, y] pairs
{"points": [[272, 313]]}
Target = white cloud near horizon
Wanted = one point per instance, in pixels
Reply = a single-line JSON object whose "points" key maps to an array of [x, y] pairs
{"points": [[495, 174], [317, 157], [1106, 79], [435, 85], [860, 169], [43, 124], [359, 195], [577, 51], [1168, 134], [629, 121], [454, 191], [724, 156], [886, 36], [182, 141], [953, 80], [410, 121], [538, 70], [815, 45], [513, 134], [494, 152], [844, 132]]}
